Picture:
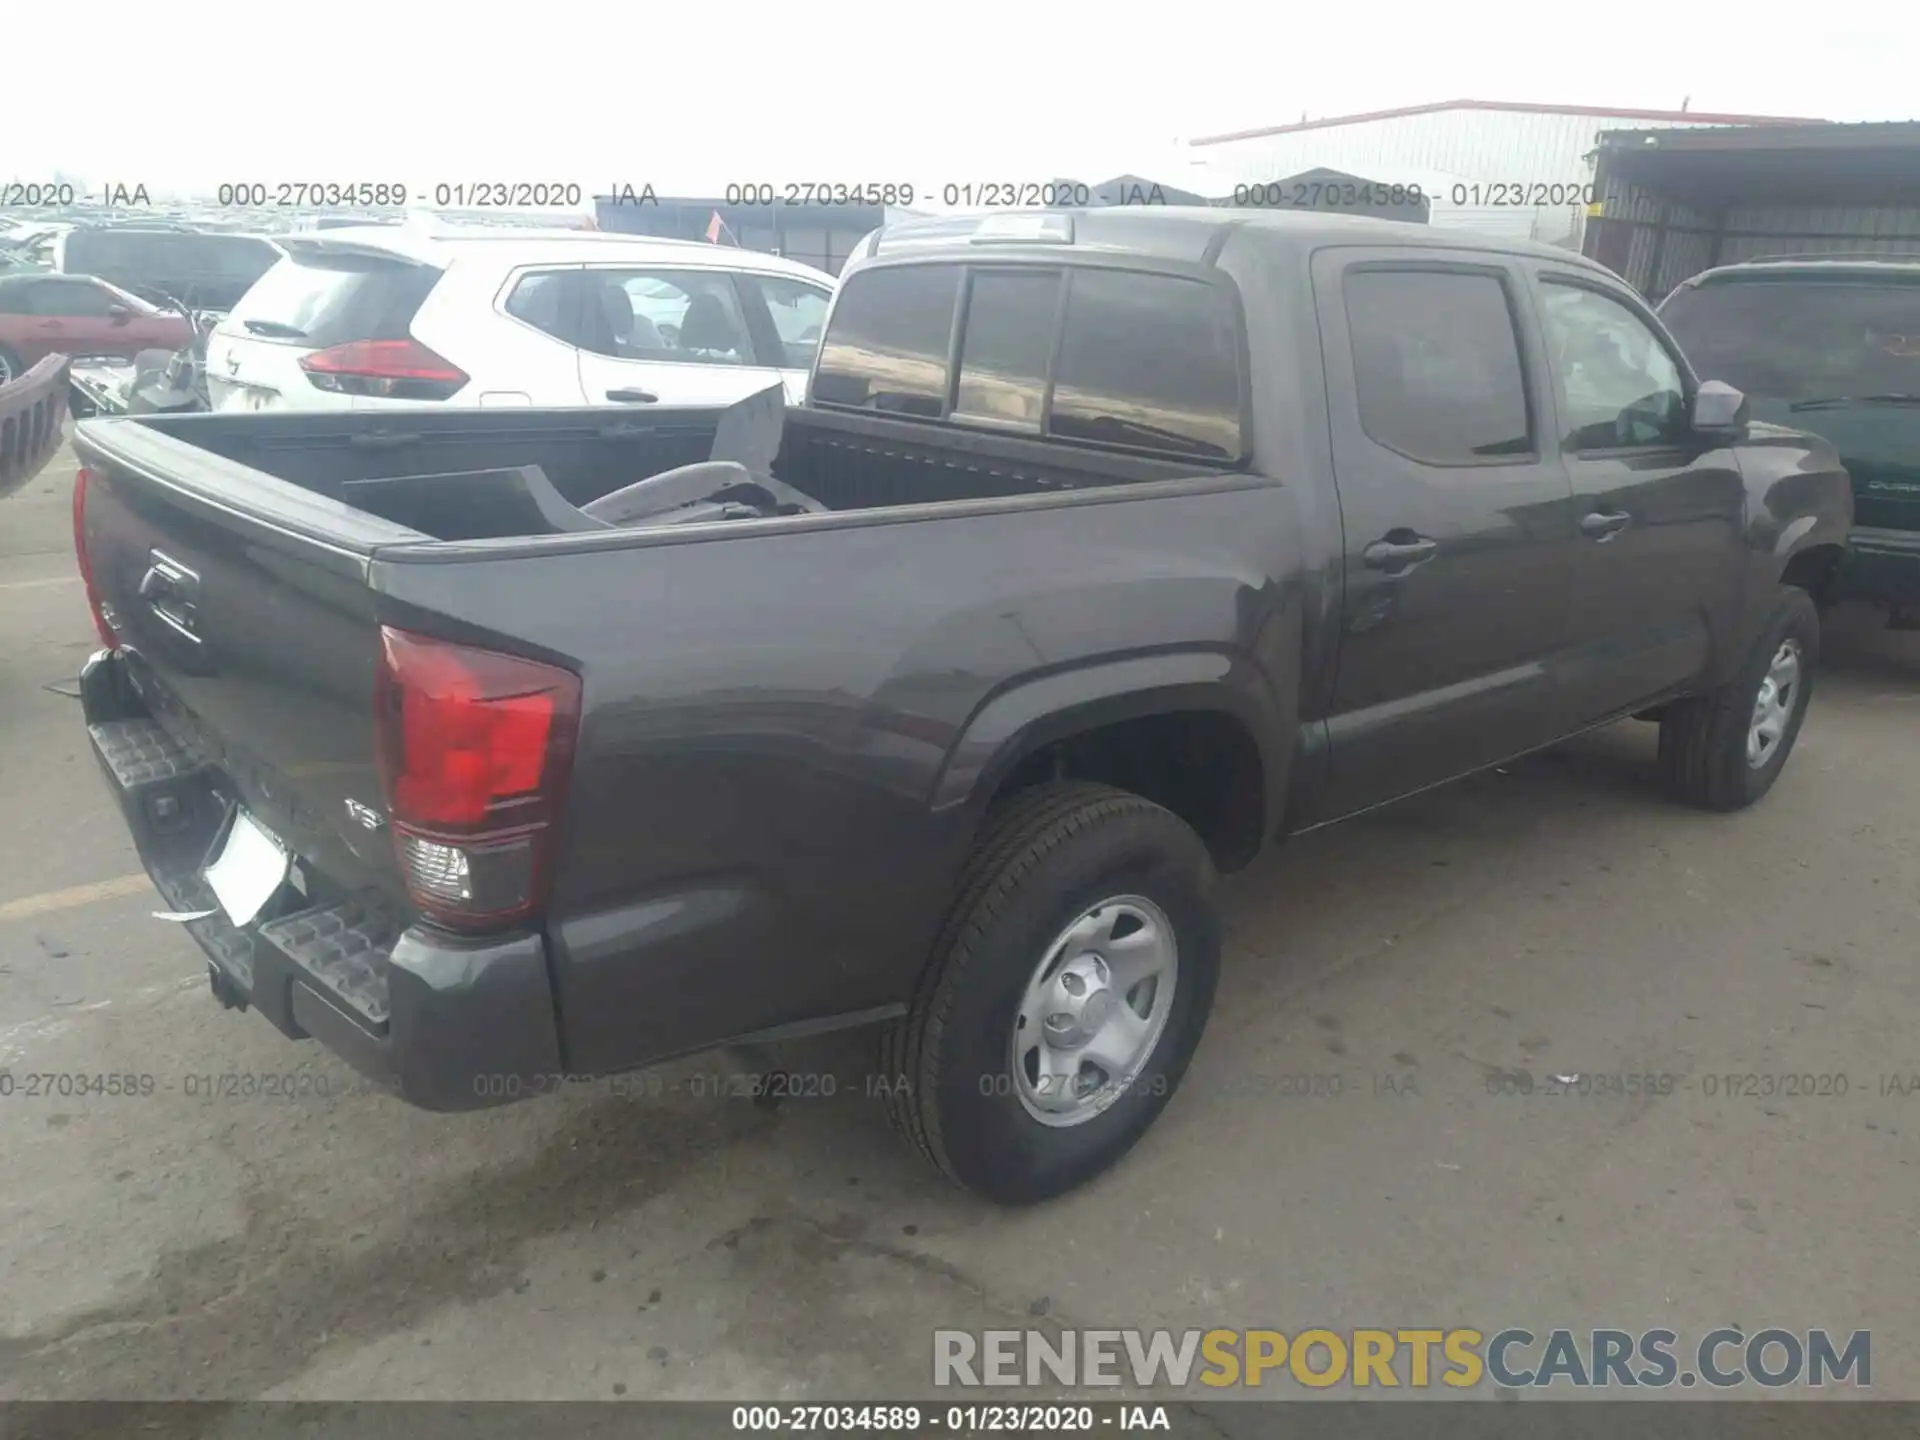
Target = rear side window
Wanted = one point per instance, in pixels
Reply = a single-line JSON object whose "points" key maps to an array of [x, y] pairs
{"points": [[886, 346], [1149, 360], [1436, 365], [325, 300], [689, 316]]}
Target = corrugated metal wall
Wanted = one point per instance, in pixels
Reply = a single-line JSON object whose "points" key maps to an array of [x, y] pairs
{"points": [[1668, 241], [1816, 229], [1477, 146]]}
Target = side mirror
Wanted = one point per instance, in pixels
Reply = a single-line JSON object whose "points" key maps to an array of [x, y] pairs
{"points": [[119, 314], [1719, 409]]}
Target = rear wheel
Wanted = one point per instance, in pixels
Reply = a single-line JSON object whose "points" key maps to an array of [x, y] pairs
{"points": [[1724, 750], [11, 366], [1066, 994]]}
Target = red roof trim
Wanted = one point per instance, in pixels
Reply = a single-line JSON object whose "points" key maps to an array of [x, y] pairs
{"points": [[1702, 117]]}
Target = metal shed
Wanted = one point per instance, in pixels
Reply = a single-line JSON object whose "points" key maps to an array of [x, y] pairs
{"points": [[1671, 203]]}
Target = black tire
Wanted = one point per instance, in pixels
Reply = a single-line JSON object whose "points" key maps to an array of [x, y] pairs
{"points": [[1047, 855], [1703, 740], [11, 366]]}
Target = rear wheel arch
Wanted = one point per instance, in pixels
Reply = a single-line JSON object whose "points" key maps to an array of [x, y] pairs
{"points": [[1204, 743]]}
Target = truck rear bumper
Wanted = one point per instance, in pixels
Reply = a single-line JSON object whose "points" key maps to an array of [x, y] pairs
{"points": [[1883, 565], [446, 1022]]}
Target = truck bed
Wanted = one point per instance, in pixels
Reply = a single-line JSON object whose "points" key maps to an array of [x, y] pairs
{"points": [[841, 461]]}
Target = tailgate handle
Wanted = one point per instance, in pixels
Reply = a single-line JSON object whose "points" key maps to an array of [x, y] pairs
{"points": [[384, 440], [172, 592]]}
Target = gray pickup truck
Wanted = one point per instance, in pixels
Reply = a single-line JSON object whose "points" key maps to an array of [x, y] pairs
{"points": [[493, 746]]}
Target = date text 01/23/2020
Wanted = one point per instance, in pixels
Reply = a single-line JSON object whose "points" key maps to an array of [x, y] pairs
{"points": [[199, 1085], [393, 194], [1316, 194], [1034, 1419]]}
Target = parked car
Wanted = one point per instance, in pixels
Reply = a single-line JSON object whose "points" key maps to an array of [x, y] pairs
{"points": [[43, 313], [385, 315], [163, 261], [1107, 546], [1830, 343]]}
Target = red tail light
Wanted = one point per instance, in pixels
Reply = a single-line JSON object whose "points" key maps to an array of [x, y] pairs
{"points": [[107, 637], [475, 750], [389, 369]]}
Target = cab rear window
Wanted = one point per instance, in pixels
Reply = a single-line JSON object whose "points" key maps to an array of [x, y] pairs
{"points": [[1122, 358]]}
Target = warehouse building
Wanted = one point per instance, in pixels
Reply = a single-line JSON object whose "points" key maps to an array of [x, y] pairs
{"points": [[1502, 168]]}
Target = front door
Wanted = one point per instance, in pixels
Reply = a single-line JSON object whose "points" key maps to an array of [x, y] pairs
{"points": [[1457, 516], [1659, 511]]}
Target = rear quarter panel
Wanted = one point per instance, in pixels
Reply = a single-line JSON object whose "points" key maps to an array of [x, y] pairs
{"points": [[752, 836], [465, 319]]}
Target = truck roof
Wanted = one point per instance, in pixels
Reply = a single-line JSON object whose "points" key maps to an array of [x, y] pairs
{"points": [[1189, 233]]}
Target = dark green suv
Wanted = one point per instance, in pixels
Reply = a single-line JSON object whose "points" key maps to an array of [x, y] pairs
{"points": [[1829, 344]]}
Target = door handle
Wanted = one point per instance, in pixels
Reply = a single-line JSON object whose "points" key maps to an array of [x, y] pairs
{"points": [[1393, 555], [1604, 526], [633, 397]]}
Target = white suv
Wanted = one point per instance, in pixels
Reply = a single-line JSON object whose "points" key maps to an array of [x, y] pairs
{"points": [[369, 317]]}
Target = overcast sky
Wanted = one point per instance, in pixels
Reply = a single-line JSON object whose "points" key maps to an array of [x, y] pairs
{"points": [[187, 94]]}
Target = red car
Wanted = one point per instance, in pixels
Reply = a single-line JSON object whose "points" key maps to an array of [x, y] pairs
{"points": [[43, 313]]}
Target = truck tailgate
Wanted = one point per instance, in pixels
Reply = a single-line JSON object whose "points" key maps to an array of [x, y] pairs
{"points": [[248, 632]]}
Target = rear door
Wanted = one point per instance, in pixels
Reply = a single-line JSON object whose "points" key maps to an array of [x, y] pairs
{"points": [[1457, 515], [659, 335], [319, 297], [1658, 562]]}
